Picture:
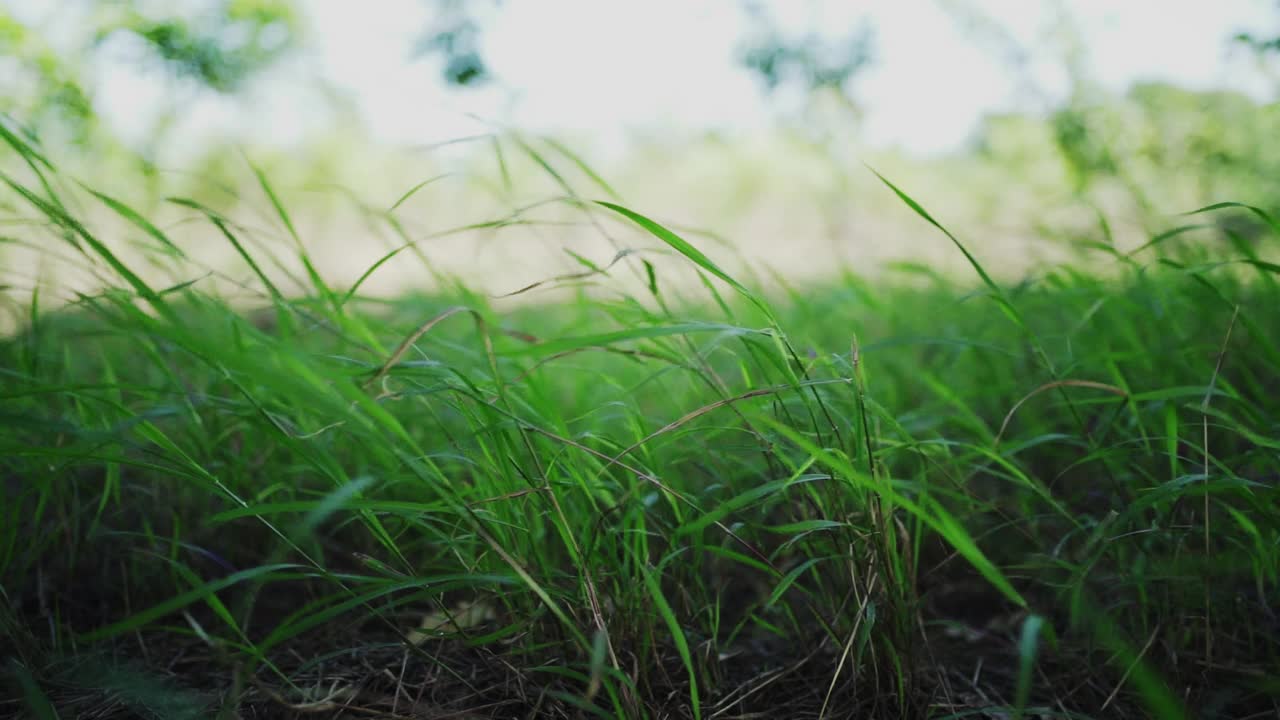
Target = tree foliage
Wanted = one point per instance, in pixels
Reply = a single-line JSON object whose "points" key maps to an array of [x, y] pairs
{"points": [[807, 60], [219, 45], [44, 86], [1261, 42], [1188, 147], [220, 48], [779, 59], [455, 36]]}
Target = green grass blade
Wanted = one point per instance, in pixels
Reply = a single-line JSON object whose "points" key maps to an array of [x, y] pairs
{"points": [[132, 216], [180, 601], [685, 248], [677, 636]]}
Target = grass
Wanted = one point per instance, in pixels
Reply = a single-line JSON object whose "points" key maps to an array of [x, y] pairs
{"points": [[870, 498]]}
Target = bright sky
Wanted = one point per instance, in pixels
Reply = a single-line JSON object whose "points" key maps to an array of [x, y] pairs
{"points": [[603, 68]]}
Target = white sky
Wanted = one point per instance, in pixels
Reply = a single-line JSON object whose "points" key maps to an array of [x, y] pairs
{"points": [[602, 68]]}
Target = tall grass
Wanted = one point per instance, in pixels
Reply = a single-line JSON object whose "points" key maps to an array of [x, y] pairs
{"points": [[869, 498]]}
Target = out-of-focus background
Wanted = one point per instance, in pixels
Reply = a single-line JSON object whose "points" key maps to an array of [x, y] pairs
{"points": [[1031, 128]]}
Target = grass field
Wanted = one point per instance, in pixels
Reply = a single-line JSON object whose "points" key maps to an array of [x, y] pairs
{"points": [[890, 497]]}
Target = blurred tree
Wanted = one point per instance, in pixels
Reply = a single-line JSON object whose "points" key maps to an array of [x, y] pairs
{"points": [[806, 60], [1217, 145], [1260, 42], [42, 85], [822, 69], [219, 45], [1167, 146], [819, 67], [1265, 46], [455, 36]]}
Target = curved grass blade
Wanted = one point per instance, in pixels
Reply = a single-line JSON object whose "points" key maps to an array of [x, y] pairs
{"points": [[313, 274], [684, 247], [583, 166], [63, 219], [1262, 214], [132, 216], [178, 602], [414, 190], [927, 510], [911, 203]]}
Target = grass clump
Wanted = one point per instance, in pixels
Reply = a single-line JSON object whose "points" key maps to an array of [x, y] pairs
{"points": [[1056, 498]]}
